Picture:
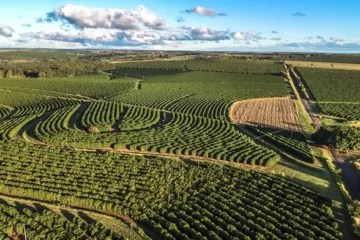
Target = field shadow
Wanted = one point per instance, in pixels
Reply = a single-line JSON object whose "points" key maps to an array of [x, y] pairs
{"points": [[68, 215], [86, 217], [21, 206], [41, 208]]}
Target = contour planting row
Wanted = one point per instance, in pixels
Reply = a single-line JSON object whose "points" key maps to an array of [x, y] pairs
{"points": [[175, 199], [58, 121], [181, 134], [139, 118], [49, 225], [205, 108], [10, 127], [44, 106], [4, 112], [102, 114]]}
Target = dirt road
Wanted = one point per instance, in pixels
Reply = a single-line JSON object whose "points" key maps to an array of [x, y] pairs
{"points": [[349, 177]]}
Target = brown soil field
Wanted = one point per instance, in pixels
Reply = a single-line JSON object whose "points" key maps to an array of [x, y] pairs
{"points": [[277, 113], [327, 65]]}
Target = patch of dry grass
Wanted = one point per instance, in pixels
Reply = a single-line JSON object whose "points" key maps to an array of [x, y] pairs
{"points": [[326, 65]]}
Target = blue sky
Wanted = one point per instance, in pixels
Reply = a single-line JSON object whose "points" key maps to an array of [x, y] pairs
{"points": [[232, 25]]}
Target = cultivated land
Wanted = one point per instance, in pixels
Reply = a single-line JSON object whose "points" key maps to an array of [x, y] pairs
{"points": [[150, 150], [325, 65], [269, 113]]}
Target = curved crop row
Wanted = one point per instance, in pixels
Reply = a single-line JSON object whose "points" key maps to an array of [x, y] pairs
{"points": [[4, 112], [10, 127], [183, 134], [44, 106], [102, 114], [57, 122], [203, 108], [139, 118]]}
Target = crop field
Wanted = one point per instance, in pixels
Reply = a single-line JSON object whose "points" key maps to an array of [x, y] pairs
{"points": [[274, 113], [198, 93], [157, 145], [46, 224], [98, 86], [349, 111], [172, 198], [231, 66], [325, 65], [335, 91]]}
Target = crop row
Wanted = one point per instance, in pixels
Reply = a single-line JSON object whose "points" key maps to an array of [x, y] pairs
{"points": [[139, 118], [348, 111], [178, 134], [43, 106], [10, 127], [102, 114], [4, 112], [203, 108], [49, 225], [58, 121], [291, 142], [173, 198]]}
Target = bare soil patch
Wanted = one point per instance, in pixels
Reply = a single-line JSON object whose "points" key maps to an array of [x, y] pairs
{"points": [[267, 112], [327, 65]]}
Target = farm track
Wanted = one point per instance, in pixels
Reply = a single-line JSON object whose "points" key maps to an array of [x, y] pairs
{"points": [[349, 177]]}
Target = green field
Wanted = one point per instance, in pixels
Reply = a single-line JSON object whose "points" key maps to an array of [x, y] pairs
{"points": [[153, 143], [171, 197]]}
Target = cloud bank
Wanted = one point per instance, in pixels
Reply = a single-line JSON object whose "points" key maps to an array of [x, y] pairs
{"points": [[83, 17]]}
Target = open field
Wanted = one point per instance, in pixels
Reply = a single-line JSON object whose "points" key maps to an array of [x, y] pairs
{"points": [[277, 113], [324, 65]]}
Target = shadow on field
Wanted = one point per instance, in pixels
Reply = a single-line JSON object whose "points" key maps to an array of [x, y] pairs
{"points": [[86, 217], [68, 215]]}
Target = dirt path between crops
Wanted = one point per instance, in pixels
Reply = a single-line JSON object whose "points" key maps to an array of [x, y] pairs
{"points": [[349, 177]]}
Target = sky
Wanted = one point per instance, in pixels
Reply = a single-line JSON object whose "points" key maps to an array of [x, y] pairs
{"points": [[226, 25]]}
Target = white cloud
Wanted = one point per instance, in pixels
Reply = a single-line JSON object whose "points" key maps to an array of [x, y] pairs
{"points": [[247, 36], [336, 40], [203, 11], [83, 17], [6, 31], [206, 34], [239, 36]]}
